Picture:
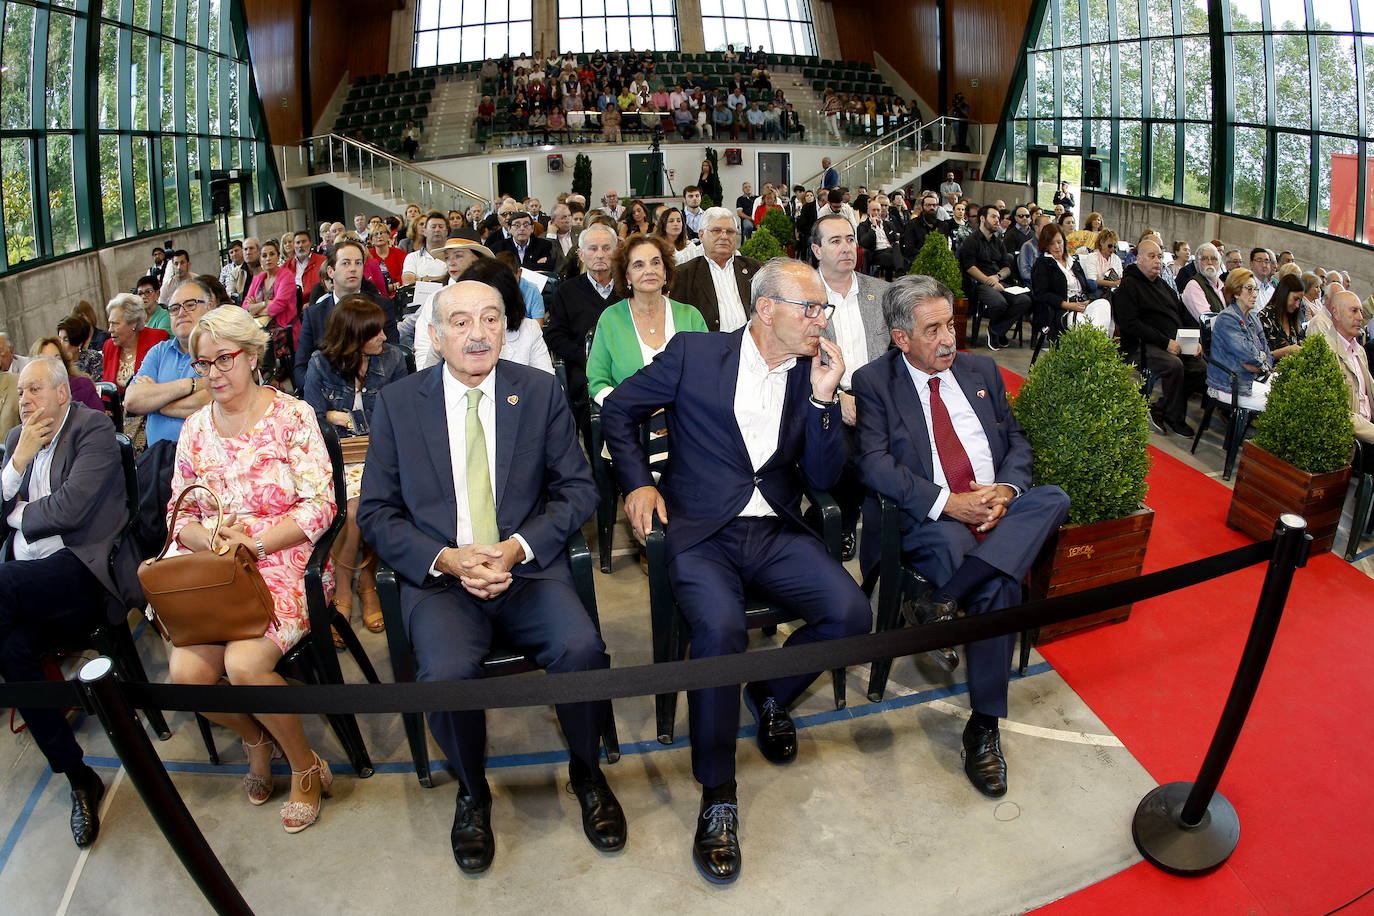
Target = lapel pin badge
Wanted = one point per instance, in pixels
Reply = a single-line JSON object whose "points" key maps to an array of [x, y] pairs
{"points": [[515, 399], [982, 393]]}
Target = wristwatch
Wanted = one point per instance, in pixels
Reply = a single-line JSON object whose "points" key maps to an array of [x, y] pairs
{"points": [[262, 549], [830, 403], [193, 384]]}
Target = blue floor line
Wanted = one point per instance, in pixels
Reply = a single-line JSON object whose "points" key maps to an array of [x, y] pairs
{"points": [[652, 745], [12, 840], [1363, 554]]}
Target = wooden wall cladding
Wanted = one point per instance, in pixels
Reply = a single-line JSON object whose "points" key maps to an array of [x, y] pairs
{"points": [[986, 38]]}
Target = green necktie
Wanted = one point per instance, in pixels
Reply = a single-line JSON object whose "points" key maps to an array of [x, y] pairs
{"points": [[481, 504]]}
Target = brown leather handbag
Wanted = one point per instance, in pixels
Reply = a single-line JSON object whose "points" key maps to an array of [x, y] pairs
{"points": [[210, 596], [354, 449]]}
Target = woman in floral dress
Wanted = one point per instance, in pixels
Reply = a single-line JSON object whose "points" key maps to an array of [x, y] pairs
{"points": [[262, 454]]}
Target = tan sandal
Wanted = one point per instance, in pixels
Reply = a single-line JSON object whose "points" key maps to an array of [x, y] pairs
{"points": [[296, 816], [343, 597], [259, 788], [372, 606]]}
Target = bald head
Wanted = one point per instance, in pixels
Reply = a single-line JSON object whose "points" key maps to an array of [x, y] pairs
{"points": [[1149, 257], [467, 327], [1346, 313]]}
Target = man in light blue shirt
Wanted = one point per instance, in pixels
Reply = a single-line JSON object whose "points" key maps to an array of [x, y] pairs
{"points": [[165, 389]]}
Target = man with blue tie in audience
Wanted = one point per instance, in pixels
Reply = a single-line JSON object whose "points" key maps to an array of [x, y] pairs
{"points": [[936, 434], [474, 482], [747, 411]]}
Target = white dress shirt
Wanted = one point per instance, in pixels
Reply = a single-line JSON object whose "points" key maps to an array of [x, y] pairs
{"points": [[759, 396], [1266, 292], [455, 413], [695, 221], [966, 425], [40, 485], [732, 314], [298, 267], [849, 327], [423, 264]]}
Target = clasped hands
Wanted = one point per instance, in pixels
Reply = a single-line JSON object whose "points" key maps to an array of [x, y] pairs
{"points": [[982, 507], [483, 569]]}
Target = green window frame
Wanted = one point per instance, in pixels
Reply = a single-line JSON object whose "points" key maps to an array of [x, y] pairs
{"points": [[81, 158], [1262, 109]]}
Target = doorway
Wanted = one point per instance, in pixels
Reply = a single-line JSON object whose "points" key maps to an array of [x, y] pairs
{"points": [[1048, 170], [511, 177], [775, 167]]}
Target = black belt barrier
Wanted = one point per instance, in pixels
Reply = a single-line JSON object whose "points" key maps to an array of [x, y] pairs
{"points": [[1171, 818]]}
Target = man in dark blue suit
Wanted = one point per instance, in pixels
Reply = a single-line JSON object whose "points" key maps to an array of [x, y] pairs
{"points": [[474, 483], [936, 434], [345, 266], [745, 409]]}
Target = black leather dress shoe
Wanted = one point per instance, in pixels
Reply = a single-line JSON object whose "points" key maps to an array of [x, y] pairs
{"points": [[924, 609], [849, 546], [715, 849], [86, 811], [983, 761], [777, 735], [474, 843], [603, 820]]}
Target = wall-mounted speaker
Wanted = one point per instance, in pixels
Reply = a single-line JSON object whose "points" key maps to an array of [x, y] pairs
{"points": [[556, 162], [734, 156]]}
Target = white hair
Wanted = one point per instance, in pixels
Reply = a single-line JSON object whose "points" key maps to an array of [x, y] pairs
{"points": [[129, 307], [582, 237], [1206, 247], [715, 213], [55, 370]]}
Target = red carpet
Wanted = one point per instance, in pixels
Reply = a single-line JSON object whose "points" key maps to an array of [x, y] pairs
{"points": [[1299, 778]]}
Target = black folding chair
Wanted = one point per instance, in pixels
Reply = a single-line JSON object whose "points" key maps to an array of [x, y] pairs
{"points": [[1237, 423], [114, 639], [501, 660], [898, 580], [313, 659], [671, 633], [113, 400]]}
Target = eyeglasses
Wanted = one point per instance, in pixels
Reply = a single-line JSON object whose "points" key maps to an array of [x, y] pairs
{"points": [[718, 231], [177, 307], [810, 308], [224, 362], [1023, 216], [1252, 287]]}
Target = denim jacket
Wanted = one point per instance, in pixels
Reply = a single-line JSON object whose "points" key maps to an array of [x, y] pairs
{"points": [[1237, 339], [326, 390]]}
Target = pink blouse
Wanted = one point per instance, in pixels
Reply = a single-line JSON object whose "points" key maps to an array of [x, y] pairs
{"points": [[282, 305]]}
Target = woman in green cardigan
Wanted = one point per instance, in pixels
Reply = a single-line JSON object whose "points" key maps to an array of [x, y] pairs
{"points": [[630, 333]]}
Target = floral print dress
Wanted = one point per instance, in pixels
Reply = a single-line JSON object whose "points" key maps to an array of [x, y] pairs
{"points": [[277, 469]]}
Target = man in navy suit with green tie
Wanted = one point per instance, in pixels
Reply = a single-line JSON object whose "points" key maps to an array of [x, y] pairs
{"points": [[474, 482]]}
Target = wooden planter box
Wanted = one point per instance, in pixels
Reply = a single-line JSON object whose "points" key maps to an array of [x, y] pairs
{"points": [[1266, 487], [1080, 557], [961, 324]]}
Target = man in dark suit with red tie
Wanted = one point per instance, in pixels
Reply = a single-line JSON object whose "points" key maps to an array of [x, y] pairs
{"points": [[936, 434], [748, 412]]}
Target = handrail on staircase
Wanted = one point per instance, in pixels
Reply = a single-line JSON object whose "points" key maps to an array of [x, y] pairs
{"points": [[333, 152], [890, 143]]}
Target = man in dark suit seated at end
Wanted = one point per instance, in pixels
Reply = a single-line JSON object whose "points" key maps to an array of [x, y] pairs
{"points": [[745, 408], [474, 483], [64, 506], [936, 434], [345, 266]]}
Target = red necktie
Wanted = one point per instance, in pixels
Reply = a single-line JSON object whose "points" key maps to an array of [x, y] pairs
{"points": [[953, 459]]}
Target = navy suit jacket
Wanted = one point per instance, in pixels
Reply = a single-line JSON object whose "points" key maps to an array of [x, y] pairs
{"points": [[544, 487], [893, 443], [540, 254], [709, 477], [313, 321]]}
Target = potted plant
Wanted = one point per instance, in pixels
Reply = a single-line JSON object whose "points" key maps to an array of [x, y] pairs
{"points": [[777, 222], [1299, 460], [1087, 425], [582, 175], [762, 246], [935, 259]]}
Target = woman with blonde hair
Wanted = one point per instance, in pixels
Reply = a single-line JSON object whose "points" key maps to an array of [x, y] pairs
{"points": [[261, 453]]}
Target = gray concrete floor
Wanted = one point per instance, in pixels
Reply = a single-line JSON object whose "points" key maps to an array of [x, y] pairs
{"points": [[875, 816]]}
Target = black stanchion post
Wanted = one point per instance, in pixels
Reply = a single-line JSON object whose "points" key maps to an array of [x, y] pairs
{"points": [[1189, 828], [145, 769]]}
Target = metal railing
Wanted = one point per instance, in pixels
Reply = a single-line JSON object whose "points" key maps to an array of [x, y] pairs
{"points": [[884, 155], [388, 175]]}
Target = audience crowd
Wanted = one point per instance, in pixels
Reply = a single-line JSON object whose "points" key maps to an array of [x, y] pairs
{"points": [[226, 377]]}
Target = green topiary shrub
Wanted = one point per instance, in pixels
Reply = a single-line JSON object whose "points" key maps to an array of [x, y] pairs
{"points": [[582, 175], [936, 260], [1306, 420], [1086, 421], [776, 221], [762, 245]]}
